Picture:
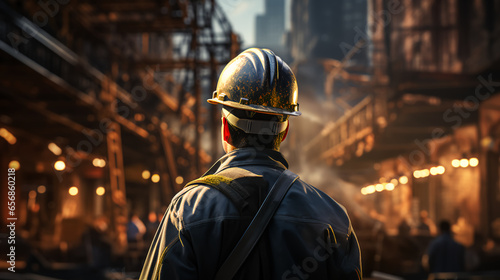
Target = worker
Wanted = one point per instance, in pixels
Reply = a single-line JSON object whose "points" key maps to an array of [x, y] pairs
{"points": [[215, 227], [444, 254]]}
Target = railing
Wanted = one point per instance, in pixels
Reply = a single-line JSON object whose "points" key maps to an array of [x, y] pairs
{"points": [[354, 126]]}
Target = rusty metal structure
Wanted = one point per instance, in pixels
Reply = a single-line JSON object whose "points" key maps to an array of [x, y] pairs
{"points": [[433, 67], [118, 81], [414, 130]]}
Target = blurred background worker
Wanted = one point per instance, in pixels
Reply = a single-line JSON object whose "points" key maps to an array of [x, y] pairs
{"points": [[309, 236], [445, 254]]}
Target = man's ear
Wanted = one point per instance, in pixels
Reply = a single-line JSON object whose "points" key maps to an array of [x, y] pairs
{"points": [[286, 131], [226, 134]]}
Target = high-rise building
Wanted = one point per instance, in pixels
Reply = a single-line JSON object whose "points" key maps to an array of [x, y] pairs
{"points": [[327, 29], [270, 26]]}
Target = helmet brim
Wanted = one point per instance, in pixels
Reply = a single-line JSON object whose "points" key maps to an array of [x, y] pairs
{"points": [[254, 108]]}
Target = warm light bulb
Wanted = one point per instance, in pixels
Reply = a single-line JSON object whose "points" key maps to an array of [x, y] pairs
{"points": [[54, 149], [9, 137], [99, 162], [403, 180], [370, 189], [14, 164], [41, 189], [59, 165], [473, 162], [433, 171], [389, 186], [440, 169], [73, 191], [32, 194], [455, 163], [100, 191], [155, 178], [146, 174], [425, 172], [179, 180], [464, 162]]}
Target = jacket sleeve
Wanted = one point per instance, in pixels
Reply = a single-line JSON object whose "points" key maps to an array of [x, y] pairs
{"points": [[346, 258], [173, 261], [178, 262], [171, 254], [352, 261], [191, 238]]}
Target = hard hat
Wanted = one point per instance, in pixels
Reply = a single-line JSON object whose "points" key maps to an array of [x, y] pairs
{"points": [[257, 80]]}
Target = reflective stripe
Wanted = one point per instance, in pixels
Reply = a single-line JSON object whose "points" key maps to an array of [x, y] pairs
{"points": [[255, 126]]}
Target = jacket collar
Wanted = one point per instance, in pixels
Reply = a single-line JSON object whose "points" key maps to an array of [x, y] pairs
{"points": [[249, 156]]}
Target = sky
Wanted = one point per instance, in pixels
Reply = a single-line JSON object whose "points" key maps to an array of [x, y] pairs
{"points": [[242, 13]]}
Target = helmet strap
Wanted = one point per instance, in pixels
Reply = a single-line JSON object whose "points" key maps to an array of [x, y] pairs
{"points": [[255, 126]]}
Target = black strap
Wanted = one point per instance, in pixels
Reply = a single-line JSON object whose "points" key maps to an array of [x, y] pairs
{"points": [[259, 223]]}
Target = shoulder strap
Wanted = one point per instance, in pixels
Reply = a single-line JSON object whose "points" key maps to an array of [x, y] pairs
{"points": [[259, 223], [240, 190]]}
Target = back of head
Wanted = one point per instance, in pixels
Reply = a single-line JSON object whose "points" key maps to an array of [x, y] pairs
{"points": [[445, 226], [264, 137]]}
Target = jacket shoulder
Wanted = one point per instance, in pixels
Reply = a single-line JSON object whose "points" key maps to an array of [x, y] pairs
{"points": [[199, 202], [308, 202]]}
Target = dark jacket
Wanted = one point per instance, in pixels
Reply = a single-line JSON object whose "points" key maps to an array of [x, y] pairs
{"points": [[309, 237], [446, 255]]}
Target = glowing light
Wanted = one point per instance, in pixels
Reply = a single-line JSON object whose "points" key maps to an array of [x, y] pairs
{"points": [[59, 165], [379, 187], [9, 137], [32, 194], [41, 189], [455, 163], [425, 172], [179, 180], [363, 191], [464, 162], [146, 174], [403, 180], [54, 149], [473, 162], [440, 169], [389, 186], [139, 117], [421, 173], [434, 171], [73, 191], [155, 178], [99, 162], [394, 182], [370, 189], [14, 164], [100, 191]]}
